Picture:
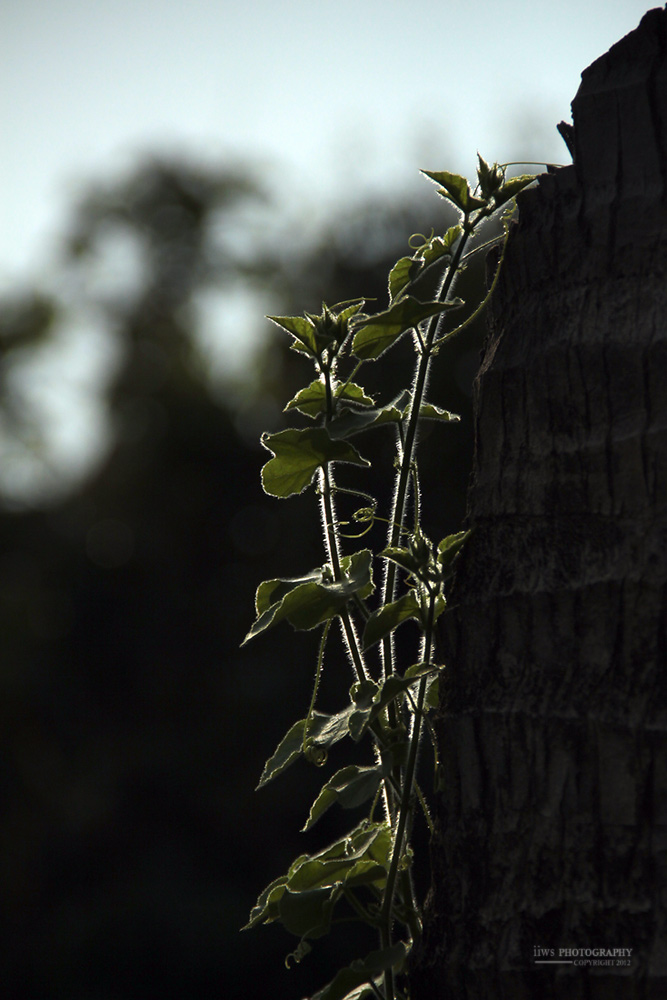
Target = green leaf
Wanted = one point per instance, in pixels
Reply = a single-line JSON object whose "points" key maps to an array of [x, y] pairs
{"points": [[312, 333], [388, 691], [402, 274], [326, 730], [270, 592], [448, 549], [311, 604], [512, 187], [406, 270], [357, 574], [352, 422], [268, 600], [272, 607], [403, 557], [440, 605], [350, 787], [308, 914], [421, 669], [298, 454], [305, 913], [351, 983], [316, 873], [428, 411], [322, 732], [432, 673], [306, 602], [432, 698], [438, 246], [383, 621], [456, 189], [367, 840], [349, 311], [384, 329], [395, 686], [266, 908], [360, 858], [363, 695], [287, 751], [359, 993], [303, 331], [312, 400]]}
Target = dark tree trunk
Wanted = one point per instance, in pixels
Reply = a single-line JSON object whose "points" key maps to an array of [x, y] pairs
{"points": [[552, 819]]}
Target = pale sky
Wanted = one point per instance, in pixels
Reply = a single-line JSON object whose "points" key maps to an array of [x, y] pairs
{"points": [[336, 97], [333, 92]]}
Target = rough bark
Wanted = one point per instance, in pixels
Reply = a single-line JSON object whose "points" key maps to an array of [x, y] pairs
{"points": [[552, 819]]}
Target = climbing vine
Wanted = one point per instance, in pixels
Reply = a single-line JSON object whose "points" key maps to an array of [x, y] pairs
{"points": [[366, 874]]}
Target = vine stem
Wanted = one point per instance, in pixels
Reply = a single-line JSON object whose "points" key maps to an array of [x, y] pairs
{"points": [[331, 539], [332, 543], [397, 520], [397, 524], [318, 675], [406, 800]]}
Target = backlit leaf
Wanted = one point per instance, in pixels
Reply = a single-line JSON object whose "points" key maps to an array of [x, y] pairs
{"points": [[323, 731], [350, 787], [308, 914], [383, 621], [385, 328], [448, 549], [367, 840], [438, 246], [512, 187], [268, 600], [351, 983], [352, 422], [428, 411], [402, 274], [287, 751], [403, 557], [266, 908], [456, 189], [357, 574], [307, 601], [298, 454], [316, 873], [388, 691], [364, 852], [303, 331], [313, 399]]}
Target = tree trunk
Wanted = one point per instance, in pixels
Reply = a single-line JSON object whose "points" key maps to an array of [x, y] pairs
{"points": [[552, 818]]}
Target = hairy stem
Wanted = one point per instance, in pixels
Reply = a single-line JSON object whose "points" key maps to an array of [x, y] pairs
{"points": [[397, 520], [331, 542], [318, 675], [405, 810], [327, 488]]}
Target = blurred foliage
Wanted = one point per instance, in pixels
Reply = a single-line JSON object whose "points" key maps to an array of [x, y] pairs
{"points": [[133, 728]]}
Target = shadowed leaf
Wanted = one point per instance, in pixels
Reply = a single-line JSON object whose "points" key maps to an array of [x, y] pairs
{"points": [[352, 982], [349, 787], [383, 621]]}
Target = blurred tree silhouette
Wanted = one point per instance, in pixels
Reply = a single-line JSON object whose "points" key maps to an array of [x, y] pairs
{"points": [[134, 730]]}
